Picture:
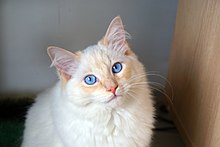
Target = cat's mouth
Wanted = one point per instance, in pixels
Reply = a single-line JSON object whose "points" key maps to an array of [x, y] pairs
{"points": [[113, 98]]}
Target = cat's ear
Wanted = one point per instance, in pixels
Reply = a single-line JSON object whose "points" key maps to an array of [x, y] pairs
{"points": [[115, 37], [64, 61]]}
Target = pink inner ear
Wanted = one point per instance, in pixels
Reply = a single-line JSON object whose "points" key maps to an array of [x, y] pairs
{"points": [[65, 65], [64, 61], [116, 35]]}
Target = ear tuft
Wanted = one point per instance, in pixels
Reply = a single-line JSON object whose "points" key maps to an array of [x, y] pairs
{"points": [[115, 37], [64, 61]]}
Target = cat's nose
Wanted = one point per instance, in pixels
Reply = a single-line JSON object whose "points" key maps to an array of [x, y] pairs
{"points": [[113, 89]]}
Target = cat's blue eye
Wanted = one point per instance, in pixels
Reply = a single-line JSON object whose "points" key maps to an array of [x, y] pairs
{"points": [[117, 67], [90, 79]]}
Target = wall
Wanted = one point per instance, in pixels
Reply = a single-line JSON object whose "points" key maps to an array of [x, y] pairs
{"points": [[27, 27]]}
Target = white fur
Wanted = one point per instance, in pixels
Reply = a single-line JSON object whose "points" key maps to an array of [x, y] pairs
{"points": [[69, 116], [58, 119]]}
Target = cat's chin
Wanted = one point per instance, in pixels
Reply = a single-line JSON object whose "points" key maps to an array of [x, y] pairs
{"points": [[114, 101], [112, 98]]}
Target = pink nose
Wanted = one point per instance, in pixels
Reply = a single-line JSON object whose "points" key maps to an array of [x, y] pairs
{"points": [[113, 89]]}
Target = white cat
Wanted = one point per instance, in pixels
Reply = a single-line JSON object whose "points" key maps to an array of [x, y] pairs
{"points": [[101, 100]]}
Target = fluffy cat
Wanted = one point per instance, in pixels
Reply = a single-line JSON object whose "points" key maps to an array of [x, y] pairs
{"points": [[101, 100]]}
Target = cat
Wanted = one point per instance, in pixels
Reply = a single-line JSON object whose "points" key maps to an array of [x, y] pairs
{"points": [[101, 100]]}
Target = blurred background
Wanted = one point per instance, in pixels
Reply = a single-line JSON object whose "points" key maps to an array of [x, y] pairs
{"points": [[28, 27]]}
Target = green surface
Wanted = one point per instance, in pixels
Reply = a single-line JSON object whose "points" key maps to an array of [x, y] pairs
{"points": [[11, 133], [12, 116]]}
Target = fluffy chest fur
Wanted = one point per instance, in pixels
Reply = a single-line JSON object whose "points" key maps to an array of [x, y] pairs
{"points": [[130, 125]]}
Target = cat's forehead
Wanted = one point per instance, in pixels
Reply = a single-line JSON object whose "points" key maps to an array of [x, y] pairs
{"points": [[98, 58], [98, 54]]}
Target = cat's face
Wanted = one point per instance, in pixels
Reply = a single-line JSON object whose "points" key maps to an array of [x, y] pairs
{"points": [[102, 74]]}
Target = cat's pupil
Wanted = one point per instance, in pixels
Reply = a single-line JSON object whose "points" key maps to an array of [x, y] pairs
{"points": [[117, 67]]}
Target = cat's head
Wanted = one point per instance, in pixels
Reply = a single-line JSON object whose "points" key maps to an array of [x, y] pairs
{"points": [[105, 74]]}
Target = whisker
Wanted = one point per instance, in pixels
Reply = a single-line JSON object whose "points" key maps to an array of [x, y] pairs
{"points": [[133, 96], [138, 83], [161, 91], [156, 84], [154, 73], [136, 77]]}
